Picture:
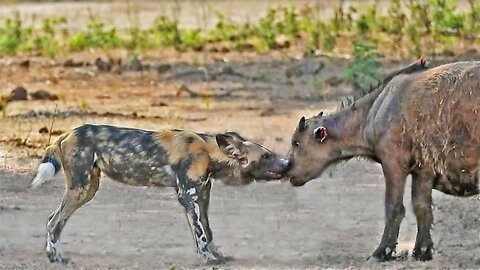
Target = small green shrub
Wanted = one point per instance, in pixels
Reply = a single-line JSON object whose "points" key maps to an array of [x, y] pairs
{"points": [[14, 37], [96, 36], [45, 40], [363, 70]]}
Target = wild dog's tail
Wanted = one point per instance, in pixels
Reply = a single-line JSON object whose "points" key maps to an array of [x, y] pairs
{"points": [[50, 164]]}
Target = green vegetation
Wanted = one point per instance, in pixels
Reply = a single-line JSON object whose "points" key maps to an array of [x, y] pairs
{"points": [[363, 70], [96, 36], [404, 28]]}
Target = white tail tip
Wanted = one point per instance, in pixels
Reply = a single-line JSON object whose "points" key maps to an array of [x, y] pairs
{"points": [[45, 172]]}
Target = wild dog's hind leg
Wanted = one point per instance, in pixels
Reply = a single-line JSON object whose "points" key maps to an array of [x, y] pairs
{"points": [[194, 197], [73, 199], [422, 206]]}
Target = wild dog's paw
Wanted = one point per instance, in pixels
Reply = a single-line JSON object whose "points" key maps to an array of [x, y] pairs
{"points": [[54, 253], [423, 253], [216, 261], [383, 254]]}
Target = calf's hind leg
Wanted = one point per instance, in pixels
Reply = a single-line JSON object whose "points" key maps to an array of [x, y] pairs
{"points": [[74, 197], [422, 206]]}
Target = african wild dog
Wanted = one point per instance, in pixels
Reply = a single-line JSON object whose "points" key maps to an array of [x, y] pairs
{"points": [[170, 158], [420, 121]]}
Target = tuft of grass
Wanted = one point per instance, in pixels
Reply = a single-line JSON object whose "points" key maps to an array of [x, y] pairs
{"points": [[14, 36], [363, 70], [318, 83], [96, 36]]}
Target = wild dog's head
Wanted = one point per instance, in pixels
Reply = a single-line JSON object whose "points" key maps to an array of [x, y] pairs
{"points": [[254, 161]]}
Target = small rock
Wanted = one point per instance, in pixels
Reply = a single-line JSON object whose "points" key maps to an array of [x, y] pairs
{"points": [[43, 130], [102, 65], [334, 81], [448, 53], [471, 52], [7, 207], [103, 96], [135, 65], [183, 88], [159, 103], [163, 68], [19, 93], [198, 48], [295, 71], [57, 132], [24, 63], [246, 46], [282, 41], [42, 94], [71, 63], [267, 112], [227, 70], [316, 67], [117, 70]]}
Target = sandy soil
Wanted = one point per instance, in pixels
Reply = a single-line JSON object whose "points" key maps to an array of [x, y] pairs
{"points": [[331, 223]]}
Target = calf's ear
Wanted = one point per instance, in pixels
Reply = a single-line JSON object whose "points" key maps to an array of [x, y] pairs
{"points": [[320, 134], [301, 124]]}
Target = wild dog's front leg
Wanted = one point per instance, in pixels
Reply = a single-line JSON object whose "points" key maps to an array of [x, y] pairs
{"points": [[195, 197], [204, 202]]}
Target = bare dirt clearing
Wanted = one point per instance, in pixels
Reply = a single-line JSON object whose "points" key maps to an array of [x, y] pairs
{"points": [[333, 222]]}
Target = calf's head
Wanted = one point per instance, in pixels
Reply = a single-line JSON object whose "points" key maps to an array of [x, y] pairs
{"points": [[314, 147], [255, 162]]}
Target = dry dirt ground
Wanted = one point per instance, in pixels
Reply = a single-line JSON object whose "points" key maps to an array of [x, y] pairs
{"points": [[334, 222]]}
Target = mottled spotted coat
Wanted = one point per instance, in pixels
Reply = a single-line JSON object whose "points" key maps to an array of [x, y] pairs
{"points": [[185, 160]]}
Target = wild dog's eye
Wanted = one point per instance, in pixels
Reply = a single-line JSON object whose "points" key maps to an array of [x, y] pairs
{"points": [[267, 156], [296, 144]]}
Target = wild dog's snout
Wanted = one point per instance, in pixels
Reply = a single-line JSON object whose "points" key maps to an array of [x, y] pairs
{"points": [[287, 164]]}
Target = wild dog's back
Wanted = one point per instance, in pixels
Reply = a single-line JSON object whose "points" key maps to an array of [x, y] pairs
{"points": [[132, 156]]}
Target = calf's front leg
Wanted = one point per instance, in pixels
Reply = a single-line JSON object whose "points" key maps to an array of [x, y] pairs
{"points": [[395, 179]]}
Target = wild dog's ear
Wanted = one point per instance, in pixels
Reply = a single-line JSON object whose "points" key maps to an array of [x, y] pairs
{"points": [[301, 124], [320, 114], [320, 134], [230, 145]]}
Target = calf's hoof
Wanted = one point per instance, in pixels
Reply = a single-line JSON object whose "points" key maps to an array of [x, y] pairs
{"points": [[383, 254], [423, 253]]}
